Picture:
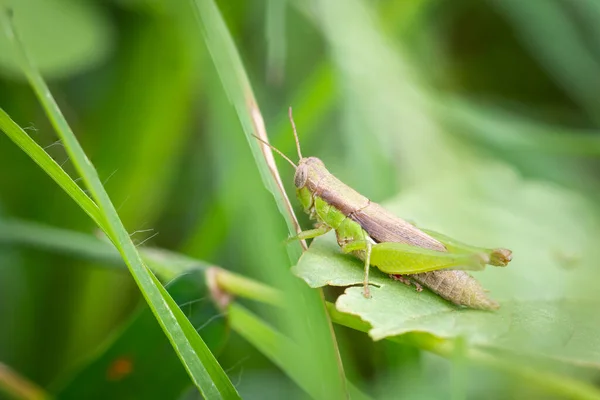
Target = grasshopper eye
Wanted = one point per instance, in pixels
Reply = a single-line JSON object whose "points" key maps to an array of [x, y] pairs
{"points": [[301, 176]]}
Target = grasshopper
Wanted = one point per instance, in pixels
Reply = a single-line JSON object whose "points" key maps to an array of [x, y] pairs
{"points": [[376, 236]]}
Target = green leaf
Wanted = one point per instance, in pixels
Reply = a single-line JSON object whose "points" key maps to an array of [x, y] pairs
{"points": [[140, 353], [63, 37], [547, 293]]}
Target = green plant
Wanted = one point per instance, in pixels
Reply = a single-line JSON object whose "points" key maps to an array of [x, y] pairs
{"points": [[449, 163]]}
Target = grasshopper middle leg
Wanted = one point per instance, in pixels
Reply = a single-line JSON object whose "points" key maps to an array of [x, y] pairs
{"points": [[366, 246], [366, 291]]}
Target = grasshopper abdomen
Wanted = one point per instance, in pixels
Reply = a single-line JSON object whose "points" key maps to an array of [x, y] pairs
{"points": [[458, 287]]}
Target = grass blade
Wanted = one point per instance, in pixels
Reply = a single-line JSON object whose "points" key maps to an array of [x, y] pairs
{"points": [[51, 167], [237, 86], [320, 351], [203, 368]]}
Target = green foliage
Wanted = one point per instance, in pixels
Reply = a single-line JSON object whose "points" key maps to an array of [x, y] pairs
{"points": [[475, 119]]}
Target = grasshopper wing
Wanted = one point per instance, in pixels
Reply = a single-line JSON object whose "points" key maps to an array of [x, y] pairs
{"points": [[383, 226], [402, 258]]}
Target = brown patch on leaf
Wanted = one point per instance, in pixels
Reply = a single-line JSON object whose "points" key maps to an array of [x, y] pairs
{"points": [[119, 368]]}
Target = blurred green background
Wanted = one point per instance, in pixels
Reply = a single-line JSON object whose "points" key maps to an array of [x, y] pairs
{"points": [[390, 94]]}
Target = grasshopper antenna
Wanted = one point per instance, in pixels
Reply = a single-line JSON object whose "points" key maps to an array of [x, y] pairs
{"points": [[277, 150], [295, 133]]}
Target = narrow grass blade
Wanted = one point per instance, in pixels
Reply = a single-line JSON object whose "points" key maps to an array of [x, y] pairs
{"points": [[43, 237], [237, 86], [165, 264], [203, 368], [51, 167]]}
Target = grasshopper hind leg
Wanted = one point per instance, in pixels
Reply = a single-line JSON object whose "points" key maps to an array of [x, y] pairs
{"points": [[401, 278], [407, 281]]}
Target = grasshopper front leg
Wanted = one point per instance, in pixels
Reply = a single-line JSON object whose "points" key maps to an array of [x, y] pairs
{"points": [[311, 233]]}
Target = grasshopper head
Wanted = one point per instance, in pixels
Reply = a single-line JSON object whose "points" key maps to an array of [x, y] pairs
{"points": [[309, 171], [308, 167], [308, 174]]}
